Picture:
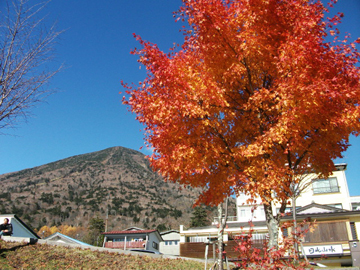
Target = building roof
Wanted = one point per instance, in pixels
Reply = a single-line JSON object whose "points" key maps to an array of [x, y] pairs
{"points": [[321, 211], [13, 216], [133, 228], [237, 224], [170, 231], [130, 232], [318, 208], [58, 236], [340, 166]]}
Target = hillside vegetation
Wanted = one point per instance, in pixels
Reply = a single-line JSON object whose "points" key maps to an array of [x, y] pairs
{"points": [[117, 181], [41, 256]]}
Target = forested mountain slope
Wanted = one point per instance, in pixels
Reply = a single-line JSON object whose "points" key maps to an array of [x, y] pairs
{"points": [[117, 181]]}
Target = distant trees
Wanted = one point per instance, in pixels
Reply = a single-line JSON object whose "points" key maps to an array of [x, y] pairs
{"points": [[76, 198], [161, 227], [72, 231], [199, 217], [25, 47], [96, 227], [47, 198], [46, 231]]}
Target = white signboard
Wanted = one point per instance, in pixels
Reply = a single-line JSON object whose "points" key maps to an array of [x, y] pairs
{"points": [[323, 250]]}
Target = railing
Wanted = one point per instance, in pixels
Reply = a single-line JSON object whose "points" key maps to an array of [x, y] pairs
{"points": [[229, 218], [129, 245]]}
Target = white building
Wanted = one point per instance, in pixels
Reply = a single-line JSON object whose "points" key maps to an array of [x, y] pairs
{"points": [[333, 191], [171, 242], [325, 200]]}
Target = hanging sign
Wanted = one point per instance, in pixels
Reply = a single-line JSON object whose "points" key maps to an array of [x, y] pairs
{"points": [[323, 249]]}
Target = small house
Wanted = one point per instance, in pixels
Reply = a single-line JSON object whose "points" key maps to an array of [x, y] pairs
{"points": [[133, 238], [20, 229], [171, 242]]}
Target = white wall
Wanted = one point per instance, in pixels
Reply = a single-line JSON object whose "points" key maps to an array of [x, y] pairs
{"points": [[171, 243], [342, 197], [307, 197]]}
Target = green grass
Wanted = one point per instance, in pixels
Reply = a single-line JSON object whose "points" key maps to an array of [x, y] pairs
{"points": [[42, 256]]}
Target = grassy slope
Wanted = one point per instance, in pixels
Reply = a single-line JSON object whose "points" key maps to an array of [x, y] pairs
{"points": [[42, 256]]}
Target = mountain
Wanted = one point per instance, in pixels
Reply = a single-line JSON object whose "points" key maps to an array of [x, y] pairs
{"points": [[117, 181]]}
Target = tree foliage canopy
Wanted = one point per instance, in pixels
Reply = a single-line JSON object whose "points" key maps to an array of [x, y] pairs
{"points": [[253, 96], [199, 217], [96, 227]]}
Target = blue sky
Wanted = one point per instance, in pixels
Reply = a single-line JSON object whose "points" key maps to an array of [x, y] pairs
{"points": [[86, 113]]}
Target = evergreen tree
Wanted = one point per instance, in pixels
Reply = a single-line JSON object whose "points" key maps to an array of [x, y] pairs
{"points": [[96, 227], [199, 218]]}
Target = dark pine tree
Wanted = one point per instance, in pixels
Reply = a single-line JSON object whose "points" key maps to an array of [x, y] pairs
{"points": [[199, 218]]}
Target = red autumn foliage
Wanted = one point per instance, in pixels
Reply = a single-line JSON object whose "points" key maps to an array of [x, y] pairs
{"points": [[254, 96], [284, 257]]}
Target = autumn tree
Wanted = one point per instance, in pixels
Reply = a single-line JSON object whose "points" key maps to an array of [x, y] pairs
{"points": [[254, 95], [26, 45], [76, 232], [46, 231], [72, 231]]}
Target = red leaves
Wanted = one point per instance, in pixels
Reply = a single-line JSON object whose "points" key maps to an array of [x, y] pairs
{"points": [[253, 87], [256, 256]]}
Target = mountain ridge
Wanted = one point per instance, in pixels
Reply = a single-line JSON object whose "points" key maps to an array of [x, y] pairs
{"points": [[116, 182]]}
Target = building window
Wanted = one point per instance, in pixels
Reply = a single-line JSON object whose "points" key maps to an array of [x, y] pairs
{"points": [[176, 242], [155, 245], [329, 185], [259, 212], [336, 205], [254, 236], [327, 232], [287, 209], [259, 236], [355, 206], [166, 243], [353, 231], [197, 239], [285, 232], [120, 239]]}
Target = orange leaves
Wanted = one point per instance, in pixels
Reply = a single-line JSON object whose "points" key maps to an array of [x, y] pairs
{"points": [[252, 94]]}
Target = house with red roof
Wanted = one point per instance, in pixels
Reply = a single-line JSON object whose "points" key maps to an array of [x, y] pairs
{"points": [[133, 238]]}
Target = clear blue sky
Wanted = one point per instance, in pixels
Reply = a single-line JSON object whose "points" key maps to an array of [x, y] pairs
{"points": [[86, 114]]}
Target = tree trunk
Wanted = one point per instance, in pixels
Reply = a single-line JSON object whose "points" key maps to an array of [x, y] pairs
{"points": [[296, 245], [272, 223], [222, 224], [296, 248], [220, 238]]}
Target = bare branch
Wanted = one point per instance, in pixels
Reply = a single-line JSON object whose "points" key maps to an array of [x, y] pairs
{"points": [[26, 46]]}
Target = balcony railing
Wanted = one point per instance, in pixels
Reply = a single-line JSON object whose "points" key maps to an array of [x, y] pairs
{"points": [[229, 219], [129, 245]]}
